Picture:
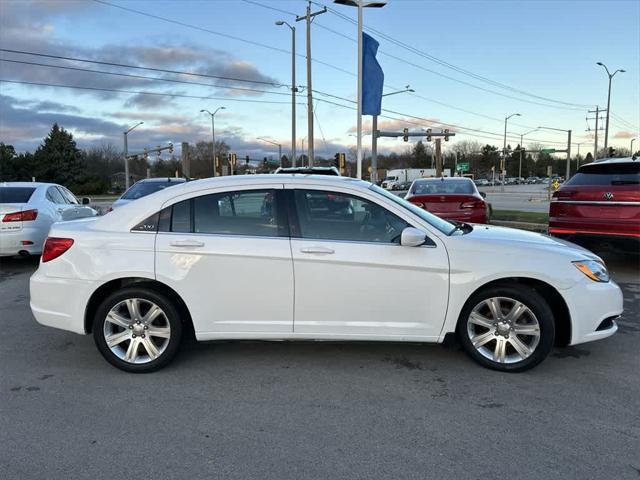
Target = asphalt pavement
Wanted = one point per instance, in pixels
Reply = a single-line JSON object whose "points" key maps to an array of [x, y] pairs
{"points": [[314, 410]]}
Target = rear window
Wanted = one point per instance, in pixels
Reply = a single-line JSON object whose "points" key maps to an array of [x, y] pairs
{"points": [[16, 194], [142, 189], [442, 187], [607, 174]]}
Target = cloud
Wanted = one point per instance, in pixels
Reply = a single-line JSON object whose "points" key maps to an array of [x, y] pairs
{"points": [[25, 25], [624, 134]]}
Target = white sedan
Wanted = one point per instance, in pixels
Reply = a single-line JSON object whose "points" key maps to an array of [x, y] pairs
{"points": [[27, 211], [288, 257]]}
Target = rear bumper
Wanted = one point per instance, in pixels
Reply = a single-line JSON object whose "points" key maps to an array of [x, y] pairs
{"points": [[50, 310], [469, 217], [590, 304], [13, 242]]}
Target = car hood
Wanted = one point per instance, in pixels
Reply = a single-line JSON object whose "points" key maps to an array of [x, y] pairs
{"points": [[120, 202], [512, 237]]}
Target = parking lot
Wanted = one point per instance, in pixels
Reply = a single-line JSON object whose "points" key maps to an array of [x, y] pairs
{"points": [[314, 410]]}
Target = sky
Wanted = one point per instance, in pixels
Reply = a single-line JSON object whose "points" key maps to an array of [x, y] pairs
{"points": [[471, 64]]}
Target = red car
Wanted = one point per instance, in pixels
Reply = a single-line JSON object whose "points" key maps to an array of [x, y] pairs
{"points": [[452, 198], [601, 200]]}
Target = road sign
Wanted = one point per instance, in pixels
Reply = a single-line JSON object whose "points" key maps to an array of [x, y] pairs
{"points": [[548, 150], [462, 167]]}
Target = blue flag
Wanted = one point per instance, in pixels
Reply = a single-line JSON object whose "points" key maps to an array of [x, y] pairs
{"points": [[372, 77]]}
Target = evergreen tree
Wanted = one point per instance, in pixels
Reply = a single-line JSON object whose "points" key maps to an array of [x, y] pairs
{"points": [[58, 159], [419, 157]]}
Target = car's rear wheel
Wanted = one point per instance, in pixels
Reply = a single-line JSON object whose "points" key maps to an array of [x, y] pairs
{"points": [[137, 330], [507, 328]]}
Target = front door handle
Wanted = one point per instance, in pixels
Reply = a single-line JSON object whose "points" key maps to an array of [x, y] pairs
{"points": [[186, 243], [322, 250]]}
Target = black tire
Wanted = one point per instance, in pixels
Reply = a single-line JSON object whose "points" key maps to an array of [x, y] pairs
{"points": [[535, 303], [170, 318]]}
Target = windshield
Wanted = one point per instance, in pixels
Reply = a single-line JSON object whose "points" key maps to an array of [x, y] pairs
{"points": [[607, 174], [390, 179], [437, 222], [16, 194], [442, 187], [142, 189]]}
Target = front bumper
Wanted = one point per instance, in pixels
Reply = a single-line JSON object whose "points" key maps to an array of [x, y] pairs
{"points": [[590, 303], [60, 302]]}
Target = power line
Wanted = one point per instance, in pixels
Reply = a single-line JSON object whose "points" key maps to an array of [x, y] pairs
{"points": [[152, 69], [135, 92], [213, 32], [450, 65], [118, 74]]}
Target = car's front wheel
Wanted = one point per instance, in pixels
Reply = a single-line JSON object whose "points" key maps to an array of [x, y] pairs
{"points": [[137, 329], [507, 328]]}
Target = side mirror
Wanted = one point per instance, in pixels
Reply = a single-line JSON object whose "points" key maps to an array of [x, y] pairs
{"points": [[412, 237], [483, 195], [86, 200]]}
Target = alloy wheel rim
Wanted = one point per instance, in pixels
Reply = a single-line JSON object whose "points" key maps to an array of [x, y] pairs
{"points": [[137, 330], [503, 330]]}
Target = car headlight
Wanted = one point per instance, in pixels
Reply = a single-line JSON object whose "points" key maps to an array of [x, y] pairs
{"points": [[593, 269]]}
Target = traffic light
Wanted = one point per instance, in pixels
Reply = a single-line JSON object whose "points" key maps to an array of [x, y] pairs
{"points": [[246, 160], [234, 159], [342, 160], [446, 134], [336, 158], [170, 147], [405, 134], [428, 134], [612, 151]]}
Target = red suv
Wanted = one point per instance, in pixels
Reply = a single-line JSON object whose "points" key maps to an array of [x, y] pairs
{"points": [[452, 198], [601, 199]]}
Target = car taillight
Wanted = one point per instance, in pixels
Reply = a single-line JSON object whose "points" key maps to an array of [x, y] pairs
{"points": [[54, 247], [472, 204], [418, 204], [26, 216]]}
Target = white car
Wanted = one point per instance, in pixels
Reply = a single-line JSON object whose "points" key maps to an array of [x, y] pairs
{"points": [[288, 257], [27, 211], [145, 187]]}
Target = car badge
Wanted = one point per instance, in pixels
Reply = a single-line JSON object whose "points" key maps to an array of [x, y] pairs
{"points": [[608, 196]]}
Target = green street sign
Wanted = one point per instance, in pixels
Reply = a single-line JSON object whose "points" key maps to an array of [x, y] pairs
{"points": [[548, 150], [462, 167]]}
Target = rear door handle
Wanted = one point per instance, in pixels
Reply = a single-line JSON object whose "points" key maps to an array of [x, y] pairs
{"points": [[321, 250], [186, 243]]}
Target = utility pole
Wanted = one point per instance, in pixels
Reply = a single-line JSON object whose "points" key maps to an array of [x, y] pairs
{"points": [[309, 18], [597, 111], [606, 128], [438, 157], [294, 90], [521, 147]]}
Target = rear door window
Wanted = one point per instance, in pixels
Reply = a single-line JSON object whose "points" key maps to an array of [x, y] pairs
{"points": [[54, 195], [16, 194], [248, 213], [607, 174]]}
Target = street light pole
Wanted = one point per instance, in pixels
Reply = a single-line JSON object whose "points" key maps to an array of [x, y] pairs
{"points": [[213, 135], [631, 147], [568, 169], [504, 149], [606, 128], [294, 90], [521, 146], [126, 155], [374, 137], [360, 4], [279, 145]]}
